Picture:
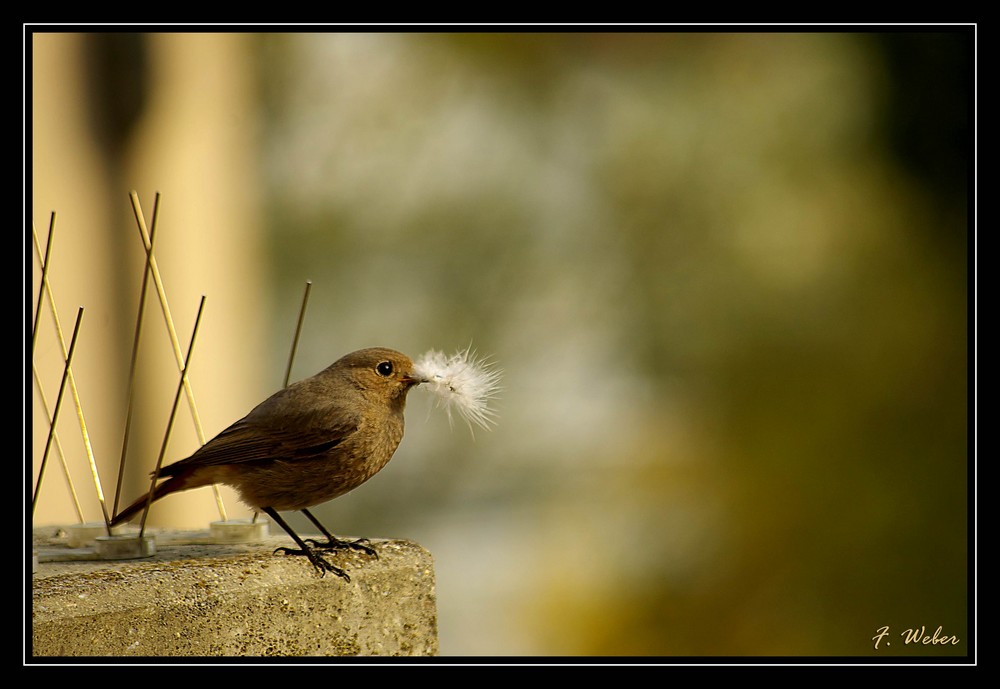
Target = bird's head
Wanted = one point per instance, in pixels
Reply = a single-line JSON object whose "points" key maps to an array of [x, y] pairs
{"points": [[380, 372]]}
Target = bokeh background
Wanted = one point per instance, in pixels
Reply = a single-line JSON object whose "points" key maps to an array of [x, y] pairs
{"points": [[725, 275]]}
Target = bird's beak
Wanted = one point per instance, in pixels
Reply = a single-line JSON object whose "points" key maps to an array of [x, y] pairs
{"points": [[413, 379]]}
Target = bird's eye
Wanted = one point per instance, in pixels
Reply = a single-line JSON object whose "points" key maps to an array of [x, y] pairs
{"points": [[384, 368]]}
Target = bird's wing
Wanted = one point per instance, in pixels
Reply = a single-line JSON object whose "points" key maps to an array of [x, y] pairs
{"points": [[257, 439]]}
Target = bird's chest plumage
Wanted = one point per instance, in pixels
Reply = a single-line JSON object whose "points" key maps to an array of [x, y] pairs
{"points": [[298, 483]]}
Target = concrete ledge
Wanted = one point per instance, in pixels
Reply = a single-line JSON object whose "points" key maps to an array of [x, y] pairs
{"points": [[237, 600]]}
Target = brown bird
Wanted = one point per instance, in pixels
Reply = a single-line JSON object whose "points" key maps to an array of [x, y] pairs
{"points": [[304, 445]]}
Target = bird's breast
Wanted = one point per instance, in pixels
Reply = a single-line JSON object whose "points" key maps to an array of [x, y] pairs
{"points": [[293, 484]]}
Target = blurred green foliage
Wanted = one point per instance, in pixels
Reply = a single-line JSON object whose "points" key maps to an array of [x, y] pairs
{"points": [[726, 275]]}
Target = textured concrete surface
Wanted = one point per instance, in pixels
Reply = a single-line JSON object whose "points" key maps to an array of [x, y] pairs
{"points": [[194, 599]]}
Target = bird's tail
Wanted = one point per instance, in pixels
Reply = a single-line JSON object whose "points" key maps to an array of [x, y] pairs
{"points": [[171, 485]]}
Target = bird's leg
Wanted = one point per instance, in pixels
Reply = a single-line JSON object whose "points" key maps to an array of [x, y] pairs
{"points": [[334, 543], [317, 560]]}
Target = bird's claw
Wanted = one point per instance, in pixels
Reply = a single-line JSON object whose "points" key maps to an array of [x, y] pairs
{"points": [[318, 561], [337, 544]]}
